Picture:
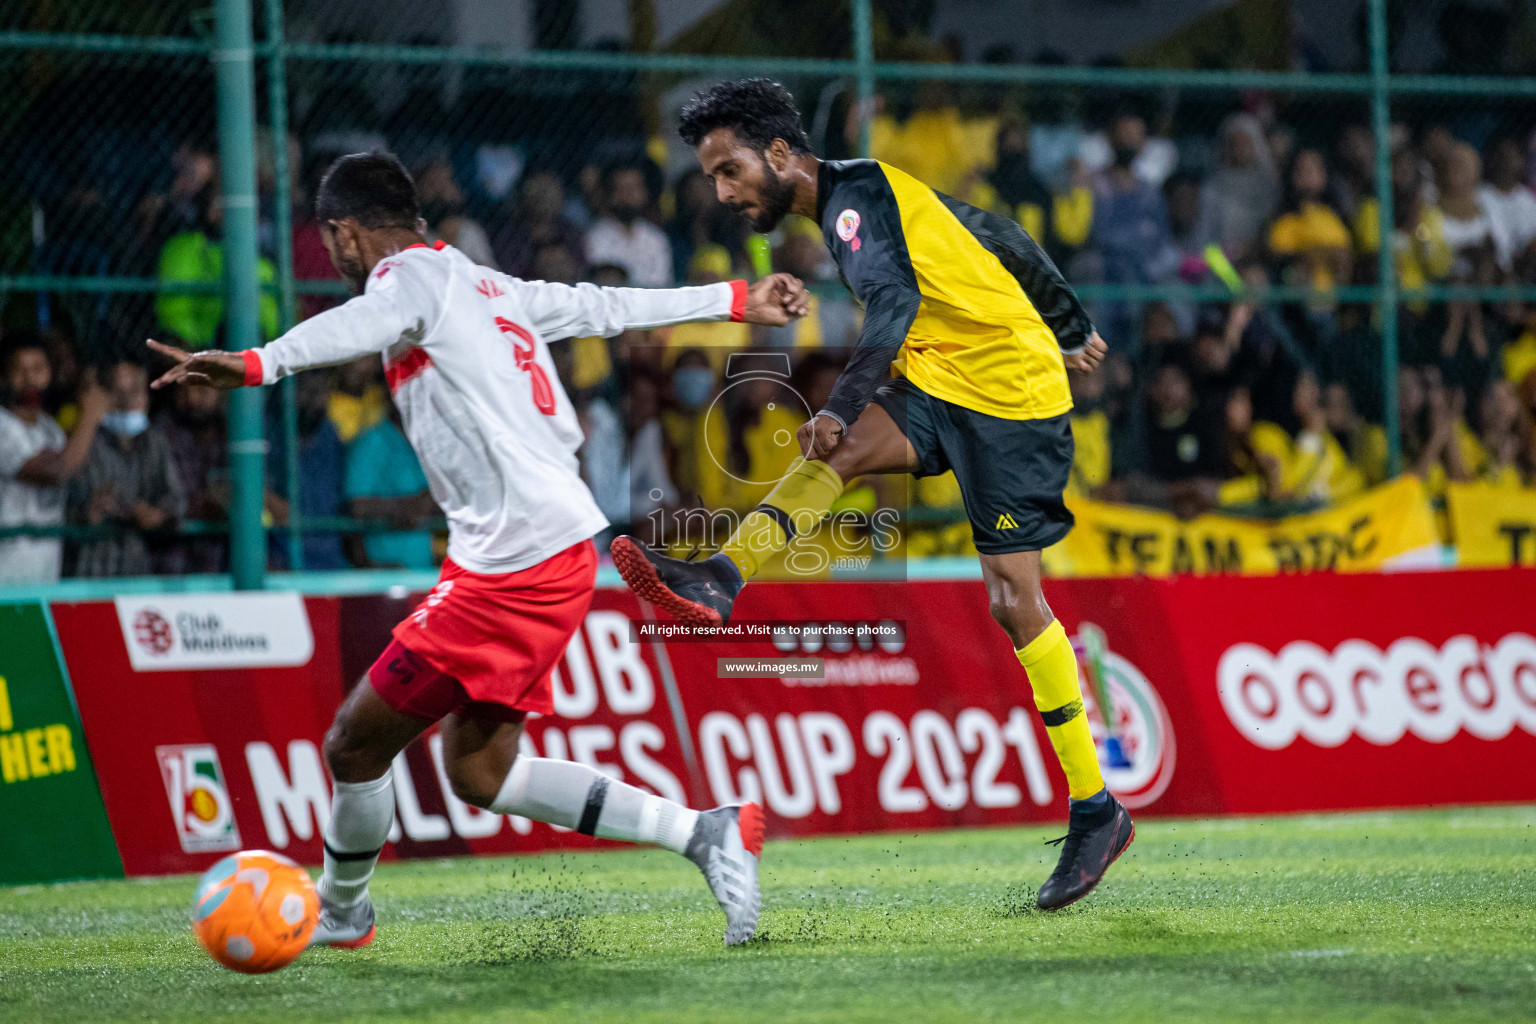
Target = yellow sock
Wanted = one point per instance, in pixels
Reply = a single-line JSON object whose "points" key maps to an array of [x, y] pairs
{"points": [[1052, 667], [799, 501]]}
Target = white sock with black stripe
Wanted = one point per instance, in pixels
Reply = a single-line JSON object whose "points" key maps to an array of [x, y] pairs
{"points": [[361, 813], [576, 796]]}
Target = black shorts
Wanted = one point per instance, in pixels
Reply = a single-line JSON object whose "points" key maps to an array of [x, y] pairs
{"points": [[1011, 472]]}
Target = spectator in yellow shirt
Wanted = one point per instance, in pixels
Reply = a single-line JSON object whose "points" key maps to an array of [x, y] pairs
{"points": [[1317, 468], [1249, 466], [1264, 461], [1519, 356], [932, 144], [1059, 221], [1420, 251], [748, 441], [1364, 442], [1309, 235], [682, 422], [358, 400], [1090, 435], [710, 264]]}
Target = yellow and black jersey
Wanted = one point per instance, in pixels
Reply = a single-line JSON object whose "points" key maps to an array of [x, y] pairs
{"points": [[959, 301]]}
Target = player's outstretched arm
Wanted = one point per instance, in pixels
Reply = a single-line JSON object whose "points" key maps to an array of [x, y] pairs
{"points": [[570, 311], [398, 305], [223, 370]]}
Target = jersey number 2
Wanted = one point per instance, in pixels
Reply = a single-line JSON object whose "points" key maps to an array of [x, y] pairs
{"points": [[522, 350]]}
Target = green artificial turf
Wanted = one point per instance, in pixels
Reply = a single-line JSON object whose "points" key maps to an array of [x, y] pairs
{"points": [[1422, 916]]}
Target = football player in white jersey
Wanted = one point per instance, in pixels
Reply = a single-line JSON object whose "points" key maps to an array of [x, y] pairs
{"points": [[465, 355]]}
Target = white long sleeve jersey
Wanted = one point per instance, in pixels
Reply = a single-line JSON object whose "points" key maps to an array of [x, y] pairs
{"points": [[466, 360]]}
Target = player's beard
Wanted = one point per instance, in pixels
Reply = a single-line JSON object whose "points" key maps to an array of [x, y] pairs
{"points": [[774, 198], [353, 273]]}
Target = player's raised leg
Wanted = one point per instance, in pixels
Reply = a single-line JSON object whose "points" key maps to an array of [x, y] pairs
{"points": [[484, 768], [362, 742], [1098, 829], [703, 592]]}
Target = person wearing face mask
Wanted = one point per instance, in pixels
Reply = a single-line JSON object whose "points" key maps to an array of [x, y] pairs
{"points": [[129, 484], [1127, 142], [624, 237], [36, 461], [693, 386]]}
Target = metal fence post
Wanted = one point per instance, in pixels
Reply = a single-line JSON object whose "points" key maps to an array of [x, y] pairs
{"points": [[1386, 290], [232, 61], [282, 229], [864, 56]]}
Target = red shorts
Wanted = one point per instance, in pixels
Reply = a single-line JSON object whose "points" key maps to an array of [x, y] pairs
{"points": [[487, 644]]}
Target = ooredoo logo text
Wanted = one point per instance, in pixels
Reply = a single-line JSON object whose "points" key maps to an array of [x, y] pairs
{"points": [[1358, 689]]}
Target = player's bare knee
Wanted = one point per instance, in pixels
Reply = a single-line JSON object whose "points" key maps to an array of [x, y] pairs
{"points": [[1022, 616], [348, 755], [1006, 616], [473, 785]]}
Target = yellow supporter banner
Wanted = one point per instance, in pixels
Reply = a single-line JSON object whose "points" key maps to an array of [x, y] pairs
{"points": [[1361, 534], [1492, 526]]}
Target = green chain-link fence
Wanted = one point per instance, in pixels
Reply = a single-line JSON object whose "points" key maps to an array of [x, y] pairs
{"points": [[115, 226]]}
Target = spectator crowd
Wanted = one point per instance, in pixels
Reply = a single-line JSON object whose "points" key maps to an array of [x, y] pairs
{"points": [[1245, 404]]}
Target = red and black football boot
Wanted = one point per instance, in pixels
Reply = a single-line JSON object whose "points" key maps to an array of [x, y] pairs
{"points": [[698, 593], [1094, 840]]}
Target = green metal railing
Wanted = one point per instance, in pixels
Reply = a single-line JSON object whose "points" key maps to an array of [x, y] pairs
{"points": [[238, 58]]}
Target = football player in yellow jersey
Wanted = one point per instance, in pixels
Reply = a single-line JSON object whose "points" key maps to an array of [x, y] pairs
{"points": [[969, 330]]}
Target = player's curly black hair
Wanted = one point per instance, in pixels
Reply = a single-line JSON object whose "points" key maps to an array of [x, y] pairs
{"points": [[758, 110], [373, 187]]}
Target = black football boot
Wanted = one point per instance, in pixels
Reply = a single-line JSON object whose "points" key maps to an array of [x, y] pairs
{"points": [[1094, 840]]}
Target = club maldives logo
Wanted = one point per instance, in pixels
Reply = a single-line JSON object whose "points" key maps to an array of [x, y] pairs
{"points": [[200, 805], [153, 632], [1130, 725], [187, 631]]}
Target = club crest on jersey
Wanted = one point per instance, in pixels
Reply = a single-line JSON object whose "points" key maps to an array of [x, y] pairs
{"points": [[848, 228]]}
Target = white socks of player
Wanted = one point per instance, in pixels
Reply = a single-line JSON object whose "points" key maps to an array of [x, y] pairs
{"points": [[576, 796], [558, 792], [361, 813]]}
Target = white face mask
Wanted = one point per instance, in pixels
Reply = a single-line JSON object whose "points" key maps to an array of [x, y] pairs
{"points": [[129, 423]]}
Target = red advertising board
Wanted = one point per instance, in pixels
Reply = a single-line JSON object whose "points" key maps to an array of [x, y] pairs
{"points": [[1331, 692], [1228, 695], [196, 761], [935, 726]]}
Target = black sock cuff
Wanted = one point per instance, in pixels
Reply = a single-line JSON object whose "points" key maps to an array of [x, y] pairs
{"points": [[779, 516], [596, 795], [1097, 817], [1063, 714], [338, 855]]}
